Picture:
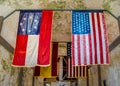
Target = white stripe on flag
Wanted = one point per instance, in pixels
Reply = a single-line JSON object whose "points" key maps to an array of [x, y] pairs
{"points": [[87, 50], [103, 39], [97, 38], [92, 38], [81, 50], [32, 50], [76, 49]]}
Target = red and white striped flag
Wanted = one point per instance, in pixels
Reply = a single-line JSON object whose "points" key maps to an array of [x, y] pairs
{"points": [[89, 38], [74, 71], [50, 71], [33, 38]]}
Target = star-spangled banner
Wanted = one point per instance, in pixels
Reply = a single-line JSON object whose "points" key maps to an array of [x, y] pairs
{"points": [[74, 71], [89, 38]]}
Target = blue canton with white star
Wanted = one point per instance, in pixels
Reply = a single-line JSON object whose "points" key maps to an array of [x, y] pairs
{"points": [[80, 22], [29, 22]]}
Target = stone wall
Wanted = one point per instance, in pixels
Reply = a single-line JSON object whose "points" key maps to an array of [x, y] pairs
{"points": [[9, 76]]}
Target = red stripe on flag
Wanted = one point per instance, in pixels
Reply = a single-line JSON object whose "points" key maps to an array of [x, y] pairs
{"points": [[37, 71], [94, 35], [73, 74], [20, 50], [100, 38], [54, 61], [73, 58], [106, 41], [84, 49], [54, 58], [45, 38], [80, 70], [79, 59], [84, 70], [90, 48], [77, 71]]}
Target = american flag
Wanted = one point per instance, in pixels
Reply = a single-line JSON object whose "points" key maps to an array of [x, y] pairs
{"points": [[28, 43], [89, 38], [74, 71]]}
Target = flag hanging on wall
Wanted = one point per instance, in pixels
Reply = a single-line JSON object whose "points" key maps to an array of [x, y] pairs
{"points": [[50, 71], [74, 71], [34, 35], [45, 38], [89, 38]]}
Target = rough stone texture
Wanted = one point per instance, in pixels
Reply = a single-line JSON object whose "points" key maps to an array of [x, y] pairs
{"points": [[8, 74], [93, 76], [61, 31], [61, 26], [111, 73], [9, 29], [112, 27], [66, 83], [27, 75], [39, 81], [82, 81]]}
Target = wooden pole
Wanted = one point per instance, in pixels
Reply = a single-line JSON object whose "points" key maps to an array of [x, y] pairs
{"points": [[114, 44], [3, 42], [1, 23], [6, 45], [99, 76], [119, 23], [87, 76], [20, 75], [33, 80]]}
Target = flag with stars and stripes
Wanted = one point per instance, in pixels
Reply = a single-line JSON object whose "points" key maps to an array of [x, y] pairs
{"points": [[74, 71], [33, 38], [89, 38]]}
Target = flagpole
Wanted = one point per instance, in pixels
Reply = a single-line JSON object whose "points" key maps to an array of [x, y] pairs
{"points": [[99, 75], [3, 42], [1, 23], [59, 9], [119, 23], [60, 70], [33, 79], [20, 76], [87, 77]]}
